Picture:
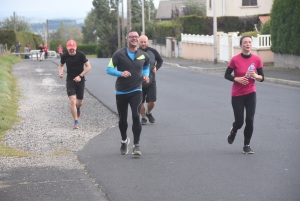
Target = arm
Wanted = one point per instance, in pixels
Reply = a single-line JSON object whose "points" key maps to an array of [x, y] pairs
{"points": [[61, 70], [159, 60], [84, 72], [242, 80], [259, 76], [111, 70]]}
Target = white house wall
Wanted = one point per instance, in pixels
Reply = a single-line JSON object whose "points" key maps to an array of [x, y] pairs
{"points": [[235, 8]]}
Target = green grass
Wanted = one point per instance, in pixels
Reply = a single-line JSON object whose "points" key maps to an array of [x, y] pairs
{"points": [[91, 56], [9, 96]]}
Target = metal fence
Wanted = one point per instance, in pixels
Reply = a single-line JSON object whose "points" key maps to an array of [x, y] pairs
{"points": [[3, 49]]}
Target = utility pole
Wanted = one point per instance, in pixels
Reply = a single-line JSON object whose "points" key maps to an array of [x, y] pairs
{"points": [[143, 19], [122, 25], [215, 33], [48, 39], [118, 24], [15, 27], [128, 15]]}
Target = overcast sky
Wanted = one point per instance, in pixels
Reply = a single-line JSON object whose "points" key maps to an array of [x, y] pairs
{"points": [[50, 9]]}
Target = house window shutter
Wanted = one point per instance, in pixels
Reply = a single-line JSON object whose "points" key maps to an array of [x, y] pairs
{"points": [[244, 2]]}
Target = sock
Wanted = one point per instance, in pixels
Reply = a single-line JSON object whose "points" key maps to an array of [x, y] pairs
{"points": [[148, 112], [76, 121], [124, 141]]}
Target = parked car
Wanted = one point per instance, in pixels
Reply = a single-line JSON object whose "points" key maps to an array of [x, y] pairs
{"points": [[52, 54], [34, 54]]}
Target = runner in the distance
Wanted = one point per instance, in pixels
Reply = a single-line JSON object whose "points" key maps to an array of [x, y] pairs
{"points": [[243, 90], [149, 89], [75, 83], [131, 66]]}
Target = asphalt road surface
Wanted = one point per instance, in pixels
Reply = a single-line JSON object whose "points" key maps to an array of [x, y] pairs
{"points": [[185, 152]]}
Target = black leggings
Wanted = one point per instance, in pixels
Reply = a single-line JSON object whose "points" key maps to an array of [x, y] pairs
{"points": [[238, 104], [134, 100]]}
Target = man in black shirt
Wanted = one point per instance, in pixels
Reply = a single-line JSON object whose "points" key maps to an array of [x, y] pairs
{"points": [[75, 83], [149, 89]]}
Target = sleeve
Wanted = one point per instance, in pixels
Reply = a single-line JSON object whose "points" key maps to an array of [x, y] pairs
{"points": [[111, 68], [261, 72], [228, 74], [146, 67], [62, 59], [159, 60]]}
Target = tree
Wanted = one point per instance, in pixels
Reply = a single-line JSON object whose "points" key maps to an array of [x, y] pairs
{"points": [[194, 7], [65, 33], [90, 22], [136, 11], [106, 26], [21, 23]]}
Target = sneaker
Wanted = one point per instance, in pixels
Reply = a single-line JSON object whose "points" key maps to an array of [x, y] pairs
{"points": [[124, 147], [78, 112], [247, 150], [150, 117], [76, 125], [231, 137], [136, 150], [144, 121]]}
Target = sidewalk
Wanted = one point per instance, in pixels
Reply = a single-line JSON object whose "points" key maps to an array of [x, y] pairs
{"points": [[285, 76]]}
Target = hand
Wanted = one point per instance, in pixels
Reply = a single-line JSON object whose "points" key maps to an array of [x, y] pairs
{"points": [[252, 74], [154, 69], [146, 79], [241, 80], [126, 74], [61, 75], [77, 79]]}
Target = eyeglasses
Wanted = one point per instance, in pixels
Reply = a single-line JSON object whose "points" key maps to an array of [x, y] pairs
{"points": [[133, 36]]}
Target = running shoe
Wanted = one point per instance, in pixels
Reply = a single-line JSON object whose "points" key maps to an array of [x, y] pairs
{"points": [[144, 121], [231, 137], [150, 117], [247, 150], [136, 150], [78, 112], [76, 125], [124, 147]]}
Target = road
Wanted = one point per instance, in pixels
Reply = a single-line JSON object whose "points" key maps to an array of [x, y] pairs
{"points": [[185, 153]]}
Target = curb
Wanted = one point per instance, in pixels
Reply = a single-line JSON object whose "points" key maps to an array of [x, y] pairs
{"points": [[267, 79]]}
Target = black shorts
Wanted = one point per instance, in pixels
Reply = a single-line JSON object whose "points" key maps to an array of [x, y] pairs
{"points": [[149, 93], [75, 88]]}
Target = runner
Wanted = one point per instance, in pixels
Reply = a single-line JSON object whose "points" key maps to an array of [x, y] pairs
{"points": [[149, 89], [131, 66], [243, 90], [75, 83]]}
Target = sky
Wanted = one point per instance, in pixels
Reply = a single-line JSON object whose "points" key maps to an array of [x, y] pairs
{"points": [[50, 9]]}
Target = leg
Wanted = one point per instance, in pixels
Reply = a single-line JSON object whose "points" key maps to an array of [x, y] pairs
{"points": [[122, 106], [71, 91], [250, 112], [79, 94], [151, 101], [135, 104], [73, 108], [238, 110], [143, 109]]}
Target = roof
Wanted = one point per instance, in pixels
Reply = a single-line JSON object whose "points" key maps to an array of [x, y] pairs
{"points": [[165, 8], [264, 19]]}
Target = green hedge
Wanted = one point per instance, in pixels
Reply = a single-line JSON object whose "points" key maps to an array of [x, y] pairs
{"points": [[285, 27], [10, 38]]}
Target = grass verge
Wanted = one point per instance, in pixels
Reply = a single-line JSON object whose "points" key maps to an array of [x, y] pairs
{"points": [[9, 95]]}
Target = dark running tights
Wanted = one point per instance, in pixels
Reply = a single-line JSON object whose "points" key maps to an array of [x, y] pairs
{"points": [[134, 100], [238, 104]]}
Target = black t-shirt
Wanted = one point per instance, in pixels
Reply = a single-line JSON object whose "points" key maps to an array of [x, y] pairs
{"points": [[75, 64]]}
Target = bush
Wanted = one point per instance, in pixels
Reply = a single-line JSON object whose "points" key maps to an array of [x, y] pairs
{"points": [[285, 27], [266, 28]]}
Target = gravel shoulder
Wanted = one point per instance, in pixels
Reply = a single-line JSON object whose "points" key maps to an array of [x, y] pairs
{"points": [[45, 130]]}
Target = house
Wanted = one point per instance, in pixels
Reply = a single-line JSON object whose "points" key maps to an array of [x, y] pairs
{"points": [[168, 8], [238, 7]]}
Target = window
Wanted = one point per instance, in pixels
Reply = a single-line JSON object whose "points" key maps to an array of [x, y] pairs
{"points": [[249, 2], [210, 4]]}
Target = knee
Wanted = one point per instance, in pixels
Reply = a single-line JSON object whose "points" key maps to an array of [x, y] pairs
{"points": [[239, 124], [79, 103], [72, 101]]}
